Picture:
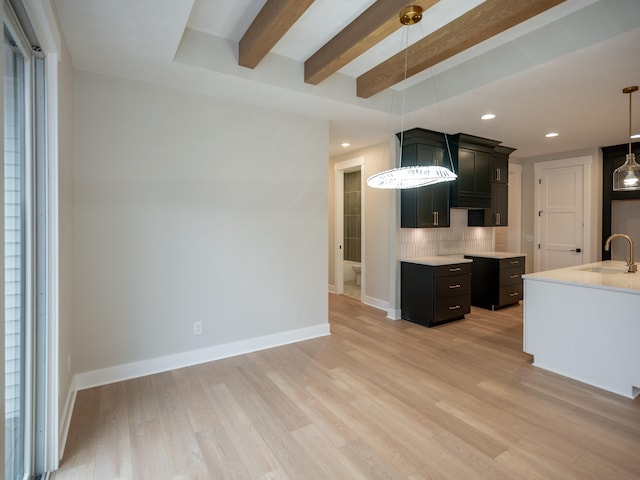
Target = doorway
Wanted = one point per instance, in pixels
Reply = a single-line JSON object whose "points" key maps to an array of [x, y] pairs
{"points": [[561, 193], [349, 228]]}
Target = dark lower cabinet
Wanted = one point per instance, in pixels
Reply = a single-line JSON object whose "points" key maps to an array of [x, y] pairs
{"points": [[432, 295], [496, 282]]}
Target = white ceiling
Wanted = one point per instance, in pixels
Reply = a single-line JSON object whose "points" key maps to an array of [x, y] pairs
{"points": [[563, 70]]}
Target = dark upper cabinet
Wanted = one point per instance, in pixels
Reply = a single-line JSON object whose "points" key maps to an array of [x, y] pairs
{"points": [[497, 214], [471, 158], [500, 164], [424, 207]]}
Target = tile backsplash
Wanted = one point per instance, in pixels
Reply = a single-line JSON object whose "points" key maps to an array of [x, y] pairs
{"points": [[457, 239]]}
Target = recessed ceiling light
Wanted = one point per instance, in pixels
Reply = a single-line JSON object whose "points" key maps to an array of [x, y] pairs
{"points": [[345, 144], [488, 116], [552, 134]]}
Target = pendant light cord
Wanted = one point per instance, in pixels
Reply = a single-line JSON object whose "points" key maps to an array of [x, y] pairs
{"points": [[404, 92], [630, 94]]}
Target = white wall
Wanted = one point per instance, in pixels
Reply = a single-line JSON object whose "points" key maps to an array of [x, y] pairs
{"points": [[192, 209], [65, 239], [377, 211]]}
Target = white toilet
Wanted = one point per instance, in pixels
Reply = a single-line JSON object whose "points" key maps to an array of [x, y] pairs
{"points": [[358, 269]]}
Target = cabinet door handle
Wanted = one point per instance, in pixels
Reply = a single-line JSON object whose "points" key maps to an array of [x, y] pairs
{"points": [[455, 269], [455, 307], [457, 285], [498, 174], [435, 218], [497, 218], [514, 276], [514, 294]]}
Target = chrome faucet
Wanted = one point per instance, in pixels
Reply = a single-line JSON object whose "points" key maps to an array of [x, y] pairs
{"points": [[630, 263]]}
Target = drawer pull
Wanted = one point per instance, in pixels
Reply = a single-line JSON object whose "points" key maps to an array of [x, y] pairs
{"points": [[514, 262], [455, 307], [514, 294], [514, 276], [457, 269], [454, 286]]}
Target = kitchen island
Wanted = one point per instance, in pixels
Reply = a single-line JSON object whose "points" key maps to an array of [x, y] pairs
{"points": [[583, 322]]}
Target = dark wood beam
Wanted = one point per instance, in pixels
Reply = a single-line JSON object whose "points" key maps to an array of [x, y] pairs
{"points": [[273, 21], [373, 25], [483, 22]]}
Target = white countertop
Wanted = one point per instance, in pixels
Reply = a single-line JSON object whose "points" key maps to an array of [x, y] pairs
{"points": [[496, 255], [607, 275], [438, 260]]}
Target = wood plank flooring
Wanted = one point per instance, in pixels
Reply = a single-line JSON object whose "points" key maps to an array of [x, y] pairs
{"points": [[378, 399]]}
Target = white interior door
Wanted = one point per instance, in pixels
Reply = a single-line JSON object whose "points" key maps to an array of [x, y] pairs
{"points": [[560, 201]]}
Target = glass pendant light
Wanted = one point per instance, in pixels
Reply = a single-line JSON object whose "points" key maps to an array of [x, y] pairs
{"points": [[627, 176], [418, 175]]}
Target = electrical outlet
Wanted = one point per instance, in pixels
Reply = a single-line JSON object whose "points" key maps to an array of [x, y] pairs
{"points": [[197, 328]]}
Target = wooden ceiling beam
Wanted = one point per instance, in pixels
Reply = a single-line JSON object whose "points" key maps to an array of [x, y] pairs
{"points": [[486, 20], [273, 21], [373, 25]]}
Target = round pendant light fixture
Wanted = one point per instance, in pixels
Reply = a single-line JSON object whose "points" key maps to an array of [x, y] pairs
{"points": [[627, 176], [411, 176]]}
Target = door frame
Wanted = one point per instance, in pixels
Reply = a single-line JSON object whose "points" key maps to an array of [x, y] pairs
{"points": [[339, 169], [514, 228], [585, 162]]}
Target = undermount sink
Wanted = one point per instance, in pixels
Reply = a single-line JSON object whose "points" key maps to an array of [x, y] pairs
{"points": [[604, 270]]}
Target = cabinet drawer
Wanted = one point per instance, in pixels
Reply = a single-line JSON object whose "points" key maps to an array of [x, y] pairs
{"points": [[511, 276], [511, 262], [455, 269], [510, 294], [451, 307], [453, 285]]}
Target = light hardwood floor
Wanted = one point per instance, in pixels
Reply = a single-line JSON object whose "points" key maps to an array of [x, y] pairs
{"points": [[376, 399]]}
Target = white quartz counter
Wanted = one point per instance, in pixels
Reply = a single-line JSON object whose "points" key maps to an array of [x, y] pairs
{"points": [[496, 255], [608, 275], [438, 260]]}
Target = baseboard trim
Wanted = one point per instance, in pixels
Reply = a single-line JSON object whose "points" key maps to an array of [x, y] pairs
{"points": [[375, 302], [66, 417], [142, 368], [394, 314]]}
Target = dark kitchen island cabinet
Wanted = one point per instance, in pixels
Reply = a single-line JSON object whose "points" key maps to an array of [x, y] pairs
{"points": [[496, 279], [435, 290]]}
